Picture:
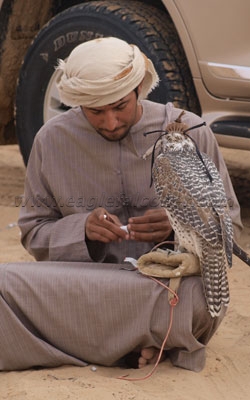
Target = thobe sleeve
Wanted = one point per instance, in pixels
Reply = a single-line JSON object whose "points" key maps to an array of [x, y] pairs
{"points": [[45, 232]]}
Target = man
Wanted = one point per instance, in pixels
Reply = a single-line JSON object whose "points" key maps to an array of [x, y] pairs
{"points": [[87, 177]]}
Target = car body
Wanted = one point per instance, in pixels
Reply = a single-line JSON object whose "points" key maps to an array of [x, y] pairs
{"points": [[215, 37]]}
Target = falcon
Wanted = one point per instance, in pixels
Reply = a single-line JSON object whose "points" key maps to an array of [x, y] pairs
{"points": [[191, 190]]}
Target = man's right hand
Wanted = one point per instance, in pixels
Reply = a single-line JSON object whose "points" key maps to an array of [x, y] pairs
{"points": [[104, 227]]}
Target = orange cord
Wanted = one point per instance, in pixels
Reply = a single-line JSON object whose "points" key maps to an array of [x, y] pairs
{"points": [[173, 303]]}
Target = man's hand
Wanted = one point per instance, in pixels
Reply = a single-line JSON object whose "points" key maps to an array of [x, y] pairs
{"points": [[153, 226], [104, 227]]}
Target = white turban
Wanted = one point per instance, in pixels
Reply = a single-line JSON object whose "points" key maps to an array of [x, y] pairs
{"points": [[103, 71]]}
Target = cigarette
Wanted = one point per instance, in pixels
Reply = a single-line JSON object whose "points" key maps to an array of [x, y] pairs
{"points": [[125, 228]]}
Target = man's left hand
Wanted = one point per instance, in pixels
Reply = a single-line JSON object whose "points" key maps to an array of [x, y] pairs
{"points": [[153, 226]]}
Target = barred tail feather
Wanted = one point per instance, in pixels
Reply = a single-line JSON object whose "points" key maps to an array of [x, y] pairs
{"points": [[214, 274]]}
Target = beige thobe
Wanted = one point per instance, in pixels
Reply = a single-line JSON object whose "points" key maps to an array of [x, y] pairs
{"points": [[70, 307]]}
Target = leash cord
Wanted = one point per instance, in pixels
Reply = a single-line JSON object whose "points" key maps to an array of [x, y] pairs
{"points": [[173, 302]]}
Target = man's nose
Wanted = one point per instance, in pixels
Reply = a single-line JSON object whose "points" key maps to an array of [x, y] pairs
{"points": [[111, 120]]}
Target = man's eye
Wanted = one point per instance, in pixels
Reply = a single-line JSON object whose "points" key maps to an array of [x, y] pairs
{"points": [[121, 107]]}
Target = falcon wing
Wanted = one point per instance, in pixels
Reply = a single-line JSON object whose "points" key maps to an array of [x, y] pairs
{"points": [[185, 190]]}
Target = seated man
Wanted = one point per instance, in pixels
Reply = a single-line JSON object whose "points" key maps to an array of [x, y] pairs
{"points": [[87, 177]]}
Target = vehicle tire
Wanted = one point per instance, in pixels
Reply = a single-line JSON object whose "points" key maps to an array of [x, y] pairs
{"points": [[149, 28]]}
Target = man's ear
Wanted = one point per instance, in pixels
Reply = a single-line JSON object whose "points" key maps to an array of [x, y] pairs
{"points": [[139, 87]]}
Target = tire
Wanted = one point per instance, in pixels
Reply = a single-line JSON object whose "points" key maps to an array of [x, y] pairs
{"points": [[147, 27]]}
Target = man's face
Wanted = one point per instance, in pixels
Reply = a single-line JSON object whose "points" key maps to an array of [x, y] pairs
{"points": [[114, 121]]}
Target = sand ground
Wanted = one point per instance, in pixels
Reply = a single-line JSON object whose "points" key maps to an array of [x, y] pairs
{"points": [[227, 371]]}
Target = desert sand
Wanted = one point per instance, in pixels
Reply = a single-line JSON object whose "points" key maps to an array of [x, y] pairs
{"points": [[227, 371]]}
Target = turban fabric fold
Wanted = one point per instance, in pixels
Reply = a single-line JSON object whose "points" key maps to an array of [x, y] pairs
{"points": [[103, 71]]}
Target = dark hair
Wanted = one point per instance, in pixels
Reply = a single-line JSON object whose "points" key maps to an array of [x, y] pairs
{"points": [[136, 92]]}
